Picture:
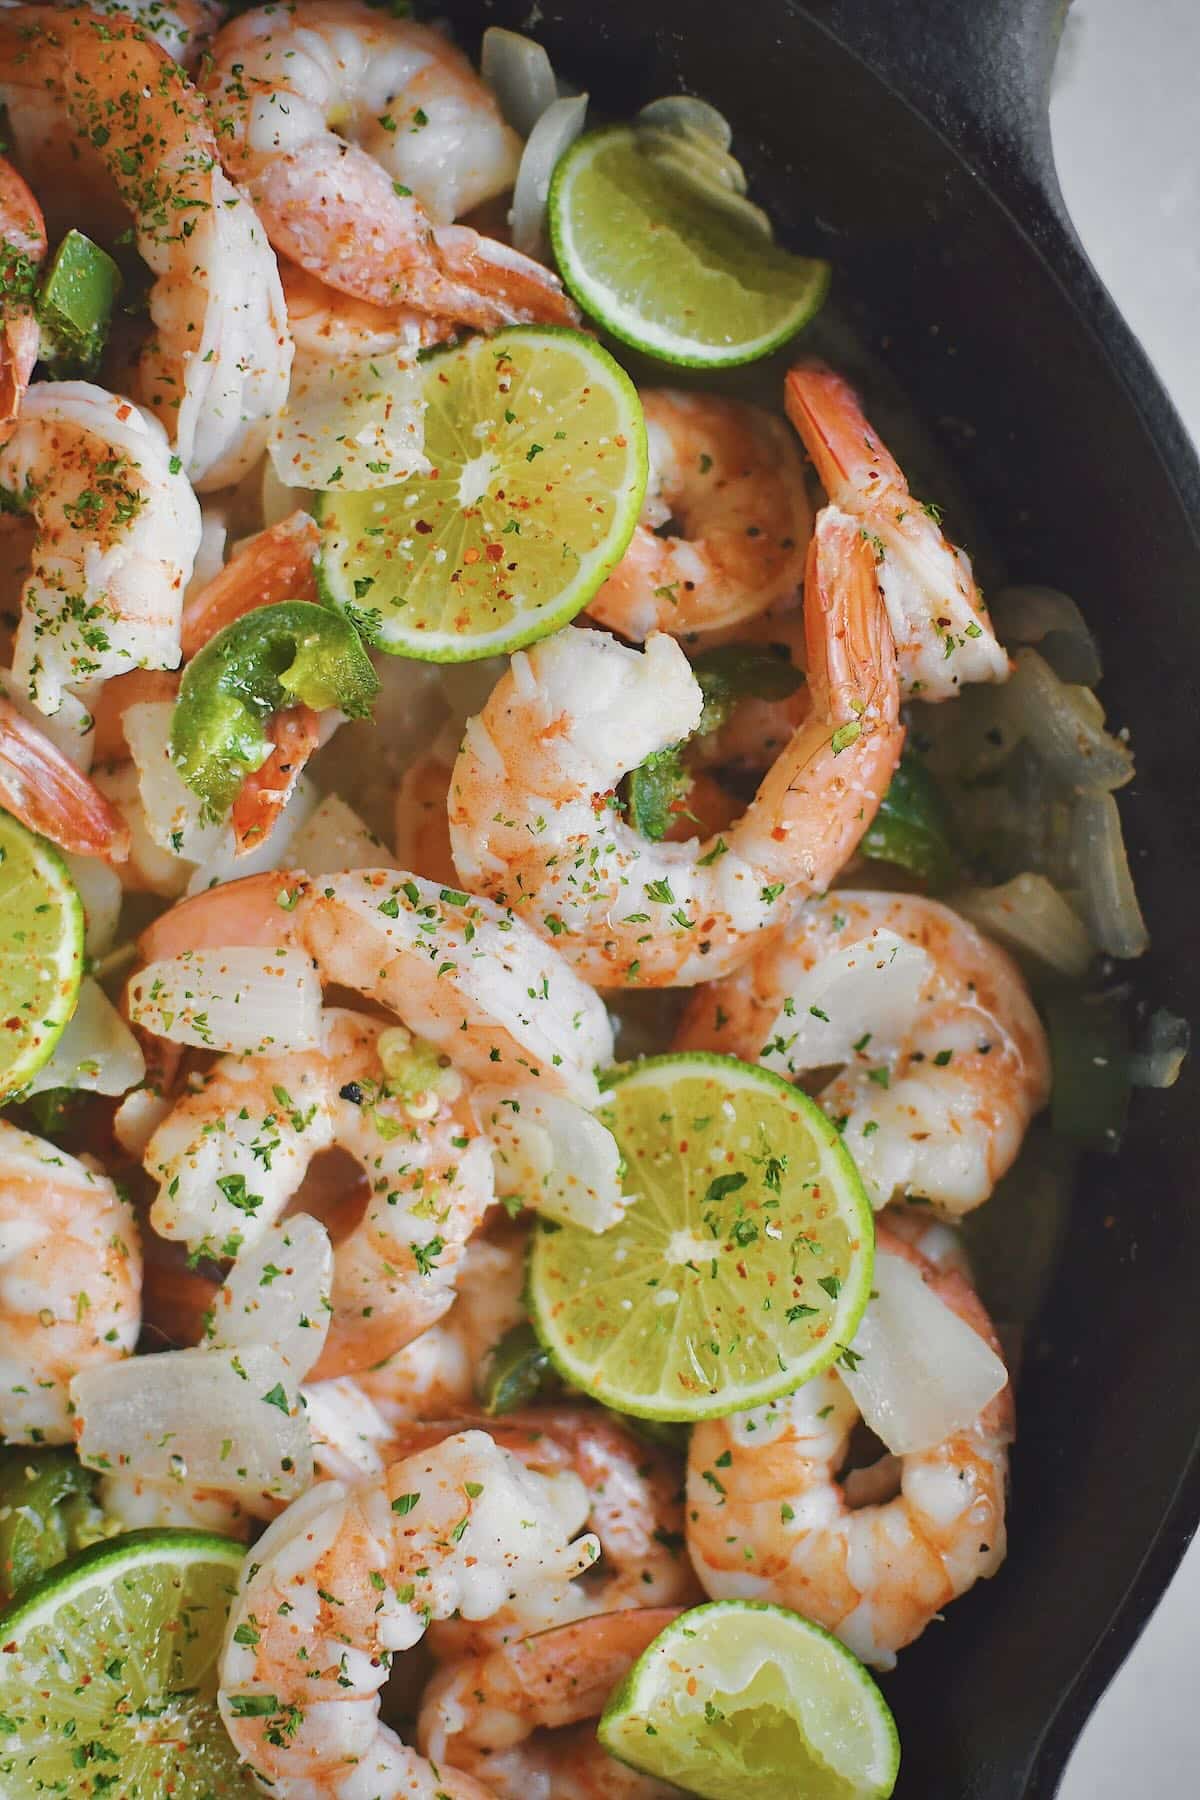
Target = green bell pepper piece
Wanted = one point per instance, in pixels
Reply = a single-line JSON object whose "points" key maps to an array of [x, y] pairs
{"points": [[74, 305], [294, 653], [911, 828], [47, 1512]]}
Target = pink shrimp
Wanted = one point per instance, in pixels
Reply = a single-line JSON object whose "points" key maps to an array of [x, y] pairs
{"points": [[22, 249], [50, 795]]}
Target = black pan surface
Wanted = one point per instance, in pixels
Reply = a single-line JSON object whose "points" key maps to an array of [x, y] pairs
{"points": [[907, 140]]}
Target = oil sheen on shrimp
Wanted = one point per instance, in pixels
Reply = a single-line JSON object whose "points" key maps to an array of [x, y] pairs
{"points": [[359, 138], [768, 1518], [730, 480], [532, 815], [345, 1578], [944, 1059], [215, 369]]}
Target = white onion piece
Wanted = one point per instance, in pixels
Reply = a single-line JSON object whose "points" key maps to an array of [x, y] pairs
{"points": [[924, 1373], [558, 1158], [271, 852], [99, 890], [333, 837], [1029, 915], [1159, 1059], [137, 1119], [210, 557], [1064, 724], [1107, 893], [97, 1052], [351, 423], [224, 1419], [554, 133], [347, 1428], [520, 74], [243, 998], [685, 114], [148, 869], [71, 729], [175, 817], [872, 986], [1053, 622], [277, 1293]]}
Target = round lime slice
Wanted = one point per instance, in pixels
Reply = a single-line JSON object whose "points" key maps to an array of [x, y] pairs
{"points": [[537, 453], [109, 1678], [745, 1701], [743, 1263], [667, 267], [41, 952]]}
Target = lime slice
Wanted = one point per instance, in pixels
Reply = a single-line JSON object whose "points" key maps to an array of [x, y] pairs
{"points": [[741, 1267], [665, 266], [537, 453], [41, 952], [745, 1701], [108, 1683]]}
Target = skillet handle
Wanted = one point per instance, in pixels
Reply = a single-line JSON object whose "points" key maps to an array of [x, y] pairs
{"points": [[979, 70]]}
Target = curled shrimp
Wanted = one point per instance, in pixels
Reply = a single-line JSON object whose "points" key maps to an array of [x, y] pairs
{"points": [[117, 527], [768, 1518], [70, 1292], [942, 631], [181, 28], [728, 475], [49, 794], [216, 368], [22, 249], [505, 1715], [345, 1578], [531, 813], [940, 1076], [274, 565], [422, 141]]}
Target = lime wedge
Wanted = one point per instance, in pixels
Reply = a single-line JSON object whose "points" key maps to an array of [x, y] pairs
{"points": [[667, 267], [744, 1701], [109, 1678], [743, 1263], [41, 952], [537, 453]]}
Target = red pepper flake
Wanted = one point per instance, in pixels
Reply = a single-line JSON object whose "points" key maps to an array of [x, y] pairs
{"points": [[495, 552], [471, 554]]}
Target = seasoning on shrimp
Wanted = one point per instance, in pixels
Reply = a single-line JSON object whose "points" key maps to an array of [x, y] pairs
{"points": [[22, 248]]}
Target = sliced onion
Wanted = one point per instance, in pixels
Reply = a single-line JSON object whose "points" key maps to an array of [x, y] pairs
{"points": [[920, 1371], [271, 852], [520, 74], [553, 1155], [210, 557], [1029, 916], [1160, 1057], [351, 423], [277, 1293], [333, 837], [225, 1419], [99, 890], [1107, 894], [149, 868], [175, 817], [1051, 620], [1065, 726], [872, 986], [686, 115], [97, 1052], [554, 133], [137, 1119], [243, 999]]}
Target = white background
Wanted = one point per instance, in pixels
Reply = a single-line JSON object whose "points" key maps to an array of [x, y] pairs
{"points": [[1126, 121]]}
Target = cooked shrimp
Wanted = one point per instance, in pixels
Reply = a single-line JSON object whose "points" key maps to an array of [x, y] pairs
{"points": [[940, 1079], [502, 1715], [422, 141], [942, 631], [45, 790], [294, 734], [117, 528], [70, 1282], [729, 478], [768, 1519], [531, 814], [231, 1155], [422, 830], [346, 1578], [330, 326], [274, 565], [179, 27], [22, 248], [216, 368]]}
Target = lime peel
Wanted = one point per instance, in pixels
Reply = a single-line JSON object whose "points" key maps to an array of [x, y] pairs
{"points": [[41, 952]]}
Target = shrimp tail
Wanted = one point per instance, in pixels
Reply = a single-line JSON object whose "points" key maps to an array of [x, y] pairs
{"points": [[50, 795], [294, 733], [275, 565]]}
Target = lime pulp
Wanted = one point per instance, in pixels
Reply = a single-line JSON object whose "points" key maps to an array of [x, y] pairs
{"points": [[41, 952]]}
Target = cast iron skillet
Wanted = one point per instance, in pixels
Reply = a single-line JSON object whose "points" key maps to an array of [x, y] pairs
{"points": [[916, 131]]}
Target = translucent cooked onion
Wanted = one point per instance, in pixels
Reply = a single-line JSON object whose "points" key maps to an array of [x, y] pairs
{"points": [[157, 871], [520, 74], [554, 132], [1107, 895], [224, 1419], [1029, 916], [872, 986], [175, 817], [278, 1291], [243, 998], [99, 889], [1051, 621], [351, 423], [553, 1155], [1064, 724], [921, 1373], [97, 1052], [1159, 1058], [333, 837]]}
